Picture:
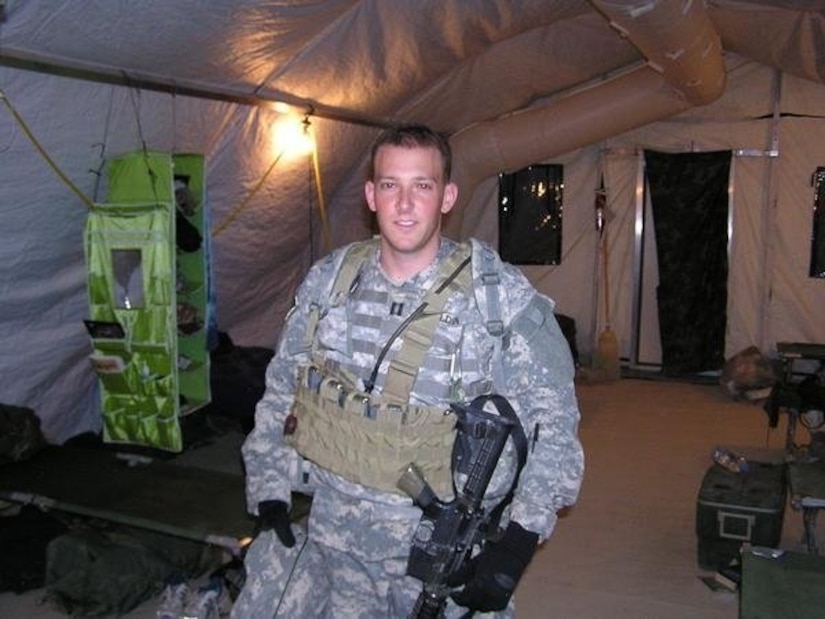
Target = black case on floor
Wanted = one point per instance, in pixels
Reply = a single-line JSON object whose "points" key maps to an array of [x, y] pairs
{"points": [[734, 508]]}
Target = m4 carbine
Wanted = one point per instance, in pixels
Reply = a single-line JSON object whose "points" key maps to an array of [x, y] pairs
{"points": [[449, 531]]}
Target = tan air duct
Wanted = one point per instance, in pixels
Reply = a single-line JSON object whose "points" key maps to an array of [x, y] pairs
{"points": [[531, 136], [685, 68], [677, 39]]}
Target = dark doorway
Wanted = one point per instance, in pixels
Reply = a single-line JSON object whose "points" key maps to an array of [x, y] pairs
{"points": [[689, 198], [818, 236]]}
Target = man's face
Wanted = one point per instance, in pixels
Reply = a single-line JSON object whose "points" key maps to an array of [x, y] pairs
{"points": [[408, 196]]}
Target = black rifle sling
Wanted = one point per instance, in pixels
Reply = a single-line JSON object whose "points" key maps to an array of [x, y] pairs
{"points": [[519, 443]]}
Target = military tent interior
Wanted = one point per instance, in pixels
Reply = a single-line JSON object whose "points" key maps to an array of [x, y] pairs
{"points": [[596, 86]]}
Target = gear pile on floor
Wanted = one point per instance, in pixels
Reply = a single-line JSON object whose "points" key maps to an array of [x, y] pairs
{"points": [[209, 598], [100, 569]]}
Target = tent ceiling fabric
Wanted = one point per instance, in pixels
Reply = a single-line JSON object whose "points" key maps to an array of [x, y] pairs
{"points": [[466, 65], [352, 56]]}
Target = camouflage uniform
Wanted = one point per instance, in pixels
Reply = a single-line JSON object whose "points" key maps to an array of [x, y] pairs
{"points": [[353, 562]]}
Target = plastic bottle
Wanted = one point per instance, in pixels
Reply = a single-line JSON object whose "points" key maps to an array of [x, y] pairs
{"points": [[729, 460]]}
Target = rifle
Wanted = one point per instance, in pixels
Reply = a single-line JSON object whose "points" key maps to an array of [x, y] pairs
{"points": [[448, 531]]}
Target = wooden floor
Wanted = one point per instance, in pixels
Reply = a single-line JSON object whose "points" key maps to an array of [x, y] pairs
{"points": [[628, 549]]}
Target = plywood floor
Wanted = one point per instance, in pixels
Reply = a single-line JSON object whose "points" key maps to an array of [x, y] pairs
{"points": [[627, 550]]}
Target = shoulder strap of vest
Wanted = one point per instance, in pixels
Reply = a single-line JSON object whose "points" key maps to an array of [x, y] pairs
{"points": [[489, 303], [345, 278], [452, 276], [418, 336], [350, 270]]}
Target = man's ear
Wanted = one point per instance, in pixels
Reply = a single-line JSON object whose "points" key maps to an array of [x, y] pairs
{"points": [[450, 197], [369, 193]]}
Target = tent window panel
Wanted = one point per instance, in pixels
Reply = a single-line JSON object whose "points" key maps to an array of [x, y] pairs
{"points": [[127, 265], [817, 268], [530, 214]]}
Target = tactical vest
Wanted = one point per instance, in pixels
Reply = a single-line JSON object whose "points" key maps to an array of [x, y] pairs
{"points": [[367, 438]]}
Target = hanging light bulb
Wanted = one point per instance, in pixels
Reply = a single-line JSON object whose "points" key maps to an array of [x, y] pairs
{"points": [[306, 142], [293, 138], [601, 207]]}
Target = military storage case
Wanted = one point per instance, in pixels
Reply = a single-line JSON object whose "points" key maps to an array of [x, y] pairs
{"points": [[737, 508]]}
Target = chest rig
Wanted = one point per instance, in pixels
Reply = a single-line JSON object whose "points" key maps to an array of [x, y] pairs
{"points": [[372, 438]]}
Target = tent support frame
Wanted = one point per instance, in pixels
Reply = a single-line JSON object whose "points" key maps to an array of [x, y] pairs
{"points": [[40, 64]]}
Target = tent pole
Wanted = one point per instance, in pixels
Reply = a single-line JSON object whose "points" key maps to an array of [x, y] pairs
{"points": [[767, 332], [638, 259], [39, 64]]}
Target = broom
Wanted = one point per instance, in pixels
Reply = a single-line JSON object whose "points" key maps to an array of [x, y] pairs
{"points": [[606, 361]]}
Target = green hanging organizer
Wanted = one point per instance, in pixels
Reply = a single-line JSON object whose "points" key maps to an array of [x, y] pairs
{"points": [[148, 297]]}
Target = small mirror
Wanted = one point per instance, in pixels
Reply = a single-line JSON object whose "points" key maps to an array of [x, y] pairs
{"points": [[128, 272]]}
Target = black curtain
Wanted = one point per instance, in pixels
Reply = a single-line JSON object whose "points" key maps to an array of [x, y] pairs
{"points": [[689, 198], [818, 236]]}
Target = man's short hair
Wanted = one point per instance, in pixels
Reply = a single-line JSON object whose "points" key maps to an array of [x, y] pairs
{"points": [[415, 136]]}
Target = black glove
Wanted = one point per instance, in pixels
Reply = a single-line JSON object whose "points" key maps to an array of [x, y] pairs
{"points": [[493, 574], [275, 515]]}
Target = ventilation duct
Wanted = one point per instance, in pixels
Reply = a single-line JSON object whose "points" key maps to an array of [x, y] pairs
{"points": [[677, 39], [684, 68]]}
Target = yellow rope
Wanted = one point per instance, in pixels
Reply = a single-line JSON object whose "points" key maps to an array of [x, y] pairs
{"points": [[322, 209], [218, 228], [43, 152], [237, 210]]}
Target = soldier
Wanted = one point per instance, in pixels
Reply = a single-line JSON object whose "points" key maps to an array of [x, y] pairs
{"points": [[383, 337]]}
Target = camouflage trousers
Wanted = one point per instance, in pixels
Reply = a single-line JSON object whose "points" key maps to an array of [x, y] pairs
{"points": [[312, 581]]}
